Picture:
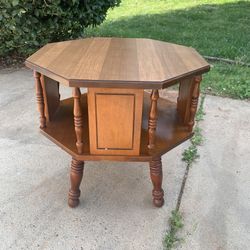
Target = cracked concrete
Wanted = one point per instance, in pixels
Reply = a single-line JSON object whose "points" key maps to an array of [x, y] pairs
{"points": [[116, 210]]}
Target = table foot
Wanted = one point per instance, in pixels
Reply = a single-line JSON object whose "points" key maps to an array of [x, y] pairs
{"points": [[156, 178], [76, 174]]}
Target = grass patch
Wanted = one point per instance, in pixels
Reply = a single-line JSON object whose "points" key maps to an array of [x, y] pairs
{"points": [[217, 28], [209, 26], [227, 80]]}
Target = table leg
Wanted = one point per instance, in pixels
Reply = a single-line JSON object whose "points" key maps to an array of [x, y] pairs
{"points": [[194, 101], [156, 177], [188, 100], [40, 99], [78, 119], [76, 174], [152, 121]]}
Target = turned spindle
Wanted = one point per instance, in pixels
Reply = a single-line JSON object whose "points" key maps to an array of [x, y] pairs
{"points": [[40, 99], [156, 178], [194, 101], [152, 121], [178, 98], [76, 174], [78, 120]]}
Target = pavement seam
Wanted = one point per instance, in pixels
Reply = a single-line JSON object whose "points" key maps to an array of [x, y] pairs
{"points": [[189, 156]]}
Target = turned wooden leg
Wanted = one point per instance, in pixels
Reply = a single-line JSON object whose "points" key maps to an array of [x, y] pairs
{"points": [[156, 177], [178, 98], [194, 101], [76, 174], [40, 99], [78, 119], [152, 121]]}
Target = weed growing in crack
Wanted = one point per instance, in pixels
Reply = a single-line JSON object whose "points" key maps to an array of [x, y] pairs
{"points": [[176, 223], [191, 153], [197, 139], [200, 113], [189, 156]]}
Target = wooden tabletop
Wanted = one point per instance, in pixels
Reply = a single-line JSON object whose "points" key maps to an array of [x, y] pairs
{"points": [[117, 62]]}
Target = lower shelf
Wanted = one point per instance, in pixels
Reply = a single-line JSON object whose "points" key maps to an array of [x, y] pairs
{"points": [[170, 131]]}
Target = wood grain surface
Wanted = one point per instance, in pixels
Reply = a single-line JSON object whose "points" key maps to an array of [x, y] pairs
{"points": [[115, 120], [170, 131], [152, 120], [117, 63], [51, 96]]}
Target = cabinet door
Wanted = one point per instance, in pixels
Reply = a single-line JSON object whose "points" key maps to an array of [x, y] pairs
{"points": [[115, 121]]}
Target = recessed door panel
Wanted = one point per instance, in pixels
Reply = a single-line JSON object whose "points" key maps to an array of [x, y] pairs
{"points": [[115, 120]]}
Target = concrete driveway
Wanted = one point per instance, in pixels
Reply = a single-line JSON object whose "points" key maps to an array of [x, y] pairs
{"points": [[116, 210], [216, 201]]}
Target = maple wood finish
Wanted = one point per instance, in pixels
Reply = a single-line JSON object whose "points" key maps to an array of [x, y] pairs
{"points": [[109, 62], [194, 101], [51, 96], [156, 177], [40, 99], [116, 120], [170, 131], [78, 119], [152, 121], [188, 99], [76, 174]]}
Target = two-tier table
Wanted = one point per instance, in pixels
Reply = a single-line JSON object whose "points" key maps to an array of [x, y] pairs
{"points": [[115, 119]]}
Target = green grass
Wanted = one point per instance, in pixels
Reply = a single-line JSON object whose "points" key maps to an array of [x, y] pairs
{"points": [[227, 80], [217, 28]]}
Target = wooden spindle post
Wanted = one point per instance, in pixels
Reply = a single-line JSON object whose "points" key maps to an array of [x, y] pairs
{"points": [[156, 178], [78, 119], [40, 99], [76, 174], [194, 101], [152, 121], [178, 98]]}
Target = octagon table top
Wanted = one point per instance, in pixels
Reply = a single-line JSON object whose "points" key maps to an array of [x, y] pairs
{"points": [[117, 62]]}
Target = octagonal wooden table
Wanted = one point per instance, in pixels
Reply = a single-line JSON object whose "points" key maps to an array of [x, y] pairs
{"points": [[116, 120]]}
